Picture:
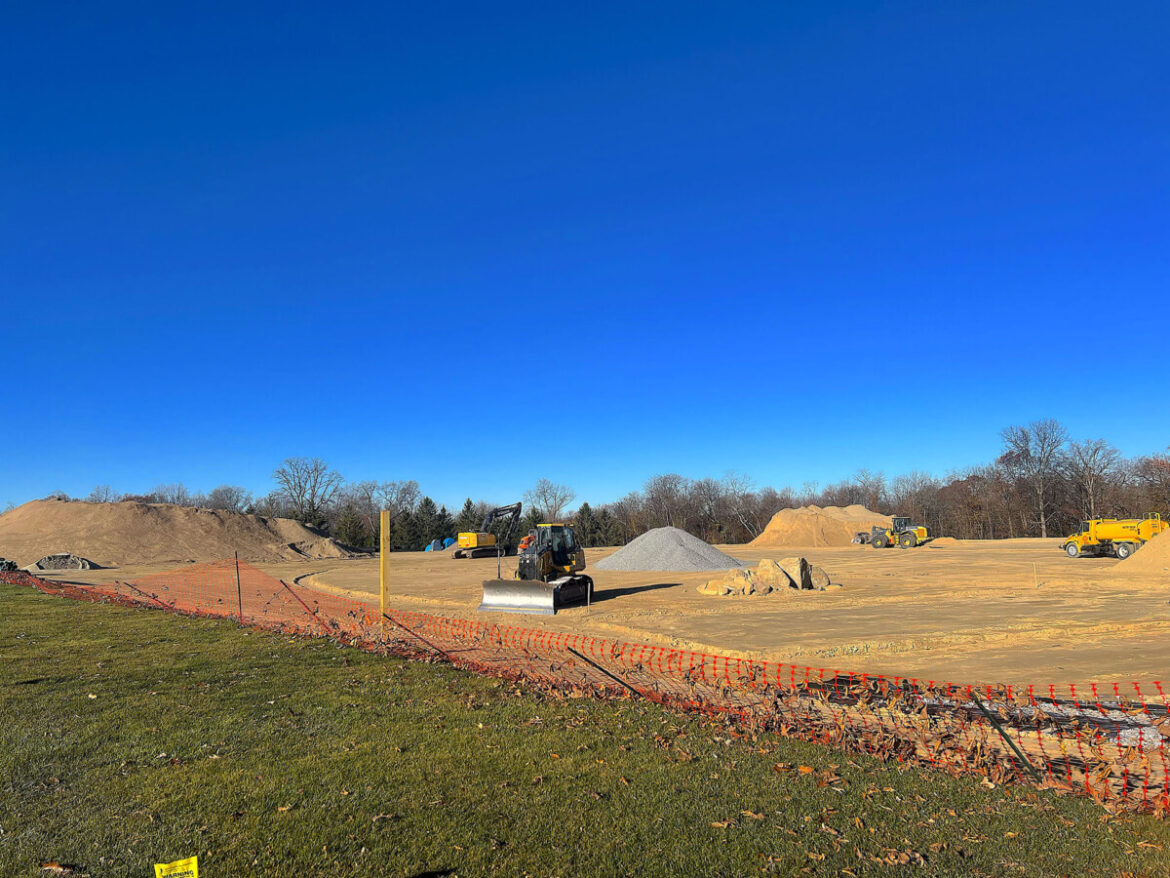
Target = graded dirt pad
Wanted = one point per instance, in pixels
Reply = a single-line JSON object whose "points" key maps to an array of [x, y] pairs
{"points": [[1152, 558], [995, 611], [818, 526], [117, 534], [665, 549]]}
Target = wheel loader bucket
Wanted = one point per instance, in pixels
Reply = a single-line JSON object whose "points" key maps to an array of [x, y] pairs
{"points": [[535, 597]]}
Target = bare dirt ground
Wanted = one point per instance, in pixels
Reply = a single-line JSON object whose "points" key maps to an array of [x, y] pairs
{"points": [[1011, 611]]}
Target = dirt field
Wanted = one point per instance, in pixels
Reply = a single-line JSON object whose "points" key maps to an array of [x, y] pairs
{"points": [[963, 612]]}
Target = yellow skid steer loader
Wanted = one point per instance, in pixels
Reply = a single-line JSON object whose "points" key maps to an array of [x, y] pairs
{"points": [[548, 576]]}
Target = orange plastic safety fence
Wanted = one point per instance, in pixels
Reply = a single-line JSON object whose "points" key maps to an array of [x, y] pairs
{"points": [[1105, 741]]}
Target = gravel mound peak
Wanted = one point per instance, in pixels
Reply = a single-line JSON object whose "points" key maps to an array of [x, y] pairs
{"points": [[667, 548]]}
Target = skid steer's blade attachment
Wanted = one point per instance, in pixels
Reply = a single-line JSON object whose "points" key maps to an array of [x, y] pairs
{"points": [[519, 596], [533, 596]]}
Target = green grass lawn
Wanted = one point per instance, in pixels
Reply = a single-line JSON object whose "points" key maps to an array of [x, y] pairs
{"points": [[132, 737]]}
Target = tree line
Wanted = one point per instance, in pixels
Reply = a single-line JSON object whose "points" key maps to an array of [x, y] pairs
{"points": [[1042, 483]]}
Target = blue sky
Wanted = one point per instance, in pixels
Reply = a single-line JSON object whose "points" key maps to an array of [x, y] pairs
{"points": [[480, 244]]}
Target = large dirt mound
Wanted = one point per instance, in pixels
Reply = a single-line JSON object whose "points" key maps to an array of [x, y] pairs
{"points": [[1153, 557], [817, 526], [117, 534], [667, 548]]}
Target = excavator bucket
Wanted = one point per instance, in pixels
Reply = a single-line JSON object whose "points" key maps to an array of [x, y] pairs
{"points": [[533, 596]]}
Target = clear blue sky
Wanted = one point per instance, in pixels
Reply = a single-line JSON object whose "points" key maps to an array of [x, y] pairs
{"points": [[479, 244]]}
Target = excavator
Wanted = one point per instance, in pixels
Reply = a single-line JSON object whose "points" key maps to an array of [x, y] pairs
{"points": [[483, 543], [548, 576]]}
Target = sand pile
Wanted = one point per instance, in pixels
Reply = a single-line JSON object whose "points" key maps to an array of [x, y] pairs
{"points": [[667, 548], [817, 526], [117, 534], [1153, 557]]}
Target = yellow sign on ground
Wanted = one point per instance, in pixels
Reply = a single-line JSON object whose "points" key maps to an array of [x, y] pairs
{"points": [[188, 868]]}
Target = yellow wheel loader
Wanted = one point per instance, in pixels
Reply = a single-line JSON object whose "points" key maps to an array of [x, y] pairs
{"points": [[1120, 537], [901, 533], [548, 576]]}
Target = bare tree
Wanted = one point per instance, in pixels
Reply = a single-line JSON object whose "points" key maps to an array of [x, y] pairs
{"points": [[310, 486], [1033, 454], [399, 497], [1090, 464], [176, 494], [1152, 474], [102, 494], [738, 492], [550, 498], [233, 498], [274, 504], [666, 500]]}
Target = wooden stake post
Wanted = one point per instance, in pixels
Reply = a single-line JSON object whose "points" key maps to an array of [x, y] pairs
{"points": [[384, 563]]}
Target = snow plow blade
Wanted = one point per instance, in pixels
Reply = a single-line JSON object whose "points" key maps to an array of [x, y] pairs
{"points": [[535, 597]]}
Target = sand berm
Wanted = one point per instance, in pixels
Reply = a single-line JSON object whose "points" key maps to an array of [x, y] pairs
{"points": [[120, 534]]}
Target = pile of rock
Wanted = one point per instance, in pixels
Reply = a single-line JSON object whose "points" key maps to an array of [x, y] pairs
{"points": [[63, 561], [668, 548], [787, 574]]}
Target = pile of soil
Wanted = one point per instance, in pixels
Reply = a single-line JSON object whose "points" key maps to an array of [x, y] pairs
{"points": [[117, 534], [817, 526], [1153, 557], [667, 548]]}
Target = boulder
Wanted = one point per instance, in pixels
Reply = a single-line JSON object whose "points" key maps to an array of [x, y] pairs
{"points": [[820, 579], [773, 574], [770, 577], [715, 587], [798, 570]]}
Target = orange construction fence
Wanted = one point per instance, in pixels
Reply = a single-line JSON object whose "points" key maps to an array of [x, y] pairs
{"points": [[1105, 741]]}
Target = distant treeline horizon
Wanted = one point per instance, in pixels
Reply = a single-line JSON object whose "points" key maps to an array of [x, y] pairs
{"points": [[1042, 484]]}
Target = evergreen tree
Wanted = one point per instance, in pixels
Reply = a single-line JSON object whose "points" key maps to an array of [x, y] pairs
{"points": [[531, 519], [586, 527], [444, 525], [469, 519], [427, 521], [404, 533], [351, 529], [609, 529]]}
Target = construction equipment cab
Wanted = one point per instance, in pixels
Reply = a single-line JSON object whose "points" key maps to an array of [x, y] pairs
{"points": [[483, 543], [1119, 537], [901, 532]]}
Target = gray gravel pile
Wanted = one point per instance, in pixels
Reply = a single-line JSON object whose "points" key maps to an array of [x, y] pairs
{"points": [[63, 561], [667, 548]]}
